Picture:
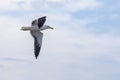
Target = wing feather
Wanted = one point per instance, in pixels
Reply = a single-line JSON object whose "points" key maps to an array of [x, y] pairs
{"points": [[41, 21], [37, 42]]}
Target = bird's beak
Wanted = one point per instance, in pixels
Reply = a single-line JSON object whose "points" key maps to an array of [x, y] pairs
{"points": [[51, 28]]}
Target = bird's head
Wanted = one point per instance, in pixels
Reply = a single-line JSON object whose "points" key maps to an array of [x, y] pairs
{"points": [[46, 27], [50, 27]]}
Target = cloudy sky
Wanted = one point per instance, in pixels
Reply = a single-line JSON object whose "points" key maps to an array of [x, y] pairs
{"points": [[84, 45]]}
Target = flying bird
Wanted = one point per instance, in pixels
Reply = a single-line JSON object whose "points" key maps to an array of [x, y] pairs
{"points": [[35, 29]]}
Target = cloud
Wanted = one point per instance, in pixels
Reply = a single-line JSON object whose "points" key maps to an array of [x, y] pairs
{"points": [[66, 5], [53, 5], [8, 5], [74, 50]]}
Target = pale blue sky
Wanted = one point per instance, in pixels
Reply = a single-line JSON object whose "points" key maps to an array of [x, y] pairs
{"points": [[85, 44]]}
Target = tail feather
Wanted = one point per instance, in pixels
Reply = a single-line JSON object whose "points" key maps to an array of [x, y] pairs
{"points": [[25, 28]]}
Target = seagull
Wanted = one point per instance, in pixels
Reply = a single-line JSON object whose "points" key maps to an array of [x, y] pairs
{"points": [[35, 29]]}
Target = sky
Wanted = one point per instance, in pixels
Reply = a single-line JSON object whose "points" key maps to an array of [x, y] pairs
{"points": [[84, 45]]}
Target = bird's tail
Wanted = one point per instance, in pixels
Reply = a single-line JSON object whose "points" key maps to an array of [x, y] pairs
{"points": [[25, 28]]}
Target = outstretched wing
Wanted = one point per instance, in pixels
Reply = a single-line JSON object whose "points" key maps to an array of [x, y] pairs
{"points": [[37, 42], [41, 21]]}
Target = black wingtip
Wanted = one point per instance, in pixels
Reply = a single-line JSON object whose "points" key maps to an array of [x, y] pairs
{"points": [[44, 16], [36, 57]]}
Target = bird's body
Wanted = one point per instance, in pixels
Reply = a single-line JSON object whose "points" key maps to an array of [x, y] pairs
{"points": [[36, 27]]}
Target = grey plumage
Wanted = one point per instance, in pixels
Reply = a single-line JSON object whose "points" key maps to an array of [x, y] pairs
{"points": [[37, 26], [37, 35]]}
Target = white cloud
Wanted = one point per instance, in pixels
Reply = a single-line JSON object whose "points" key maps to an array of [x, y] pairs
{"points": [[14, 5], [6, 5], [70, 5], [65, 5], [67, 52], [82, 4], [64, 53]]}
